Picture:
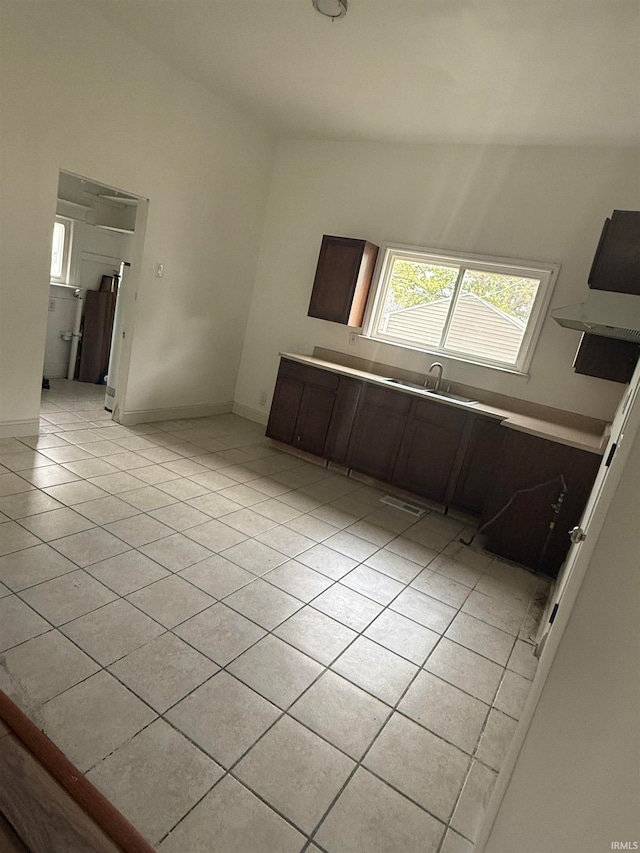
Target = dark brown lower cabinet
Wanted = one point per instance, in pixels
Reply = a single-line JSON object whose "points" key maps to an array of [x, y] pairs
{"points": [[287, 397], [522, 532], [431, 444], [478, 471], [302, 406], [314, 417], [377, 431], [450, 455], [336, 448]]}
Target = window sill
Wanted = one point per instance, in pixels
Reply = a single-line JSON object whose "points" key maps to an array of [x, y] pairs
{"points": [[449, 356]]}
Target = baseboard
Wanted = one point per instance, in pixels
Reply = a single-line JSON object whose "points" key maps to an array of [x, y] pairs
{"points": [[257, 415], [145, 416], [14, 429], [299, 454]]}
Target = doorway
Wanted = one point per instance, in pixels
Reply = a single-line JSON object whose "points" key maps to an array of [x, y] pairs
{"points": [[96, 233]]}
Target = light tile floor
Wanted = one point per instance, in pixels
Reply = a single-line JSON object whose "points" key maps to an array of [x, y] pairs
{"points": [[237, 645]]}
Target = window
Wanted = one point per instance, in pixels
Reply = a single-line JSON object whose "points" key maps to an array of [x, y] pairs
{"points": [[61, 250], [483, 310]]}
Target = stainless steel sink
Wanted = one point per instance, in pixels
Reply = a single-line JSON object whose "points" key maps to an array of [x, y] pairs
{"points": [[457, 397], [431, 392], [407, 384]]}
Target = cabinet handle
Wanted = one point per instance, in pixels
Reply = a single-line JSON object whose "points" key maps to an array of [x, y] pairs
{"points": [[577, 535]]}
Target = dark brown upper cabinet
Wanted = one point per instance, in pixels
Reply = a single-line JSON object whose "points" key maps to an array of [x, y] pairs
{"points": [[343, 277], [606, 358], [616, 265]]}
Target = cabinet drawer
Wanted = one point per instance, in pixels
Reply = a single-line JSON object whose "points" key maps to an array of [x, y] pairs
{"points": [[391, 401], [439, 413], [308, 375]]}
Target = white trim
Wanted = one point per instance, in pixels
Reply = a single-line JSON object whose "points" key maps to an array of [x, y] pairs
{"points": [[85, 255], [144, 416], [14, 429], [450, 355], [545, 273], [68, 223], [259, 416], [574, 582]]}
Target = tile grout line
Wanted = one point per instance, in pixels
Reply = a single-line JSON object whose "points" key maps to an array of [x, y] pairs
{"points": [[304, 603], [288, 559], [393, 709], [269, 632]]}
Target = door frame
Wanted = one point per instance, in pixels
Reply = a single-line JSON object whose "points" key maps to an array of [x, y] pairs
{"points": [[131, 296], [130, 306], [625, 427]]}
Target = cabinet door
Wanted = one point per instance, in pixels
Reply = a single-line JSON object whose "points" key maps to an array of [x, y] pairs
{"points": [[287, 397], [313, 419], [342, 280], [342, 419], [606, 358], [522, 532], [429, 452], [302, 405], [617, 261], [478, 470], [377, 431]]}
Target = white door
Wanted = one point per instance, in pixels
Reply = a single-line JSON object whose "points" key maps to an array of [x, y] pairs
{"points": [[583, 537], [117, 336]]}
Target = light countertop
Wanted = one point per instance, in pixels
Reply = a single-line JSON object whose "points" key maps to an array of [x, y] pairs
{"points": [[584, 433]]}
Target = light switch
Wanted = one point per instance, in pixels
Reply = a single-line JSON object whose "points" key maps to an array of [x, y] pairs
{"points": [[52, 305]]}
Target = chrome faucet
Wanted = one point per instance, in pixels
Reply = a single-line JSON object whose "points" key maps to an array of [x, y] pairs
{"points": [[440, 368]]}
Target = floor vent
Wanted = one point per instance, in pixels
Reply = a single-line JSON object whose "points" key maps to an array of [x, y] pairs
{"points": [[405, 506]]}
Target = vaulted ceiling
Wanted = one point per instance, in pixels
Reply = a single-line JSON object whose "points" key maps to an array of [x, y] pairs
{"points": [[496, 71]]}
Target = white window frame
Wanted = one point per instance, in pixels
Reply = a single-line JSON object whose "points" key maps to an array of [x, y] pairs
{"points": [[389, 252], [63, 278]]}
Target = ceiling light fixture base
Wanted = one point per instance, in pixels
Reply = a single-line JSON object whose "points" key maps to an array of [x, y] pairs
{"points": [[331, 8]]}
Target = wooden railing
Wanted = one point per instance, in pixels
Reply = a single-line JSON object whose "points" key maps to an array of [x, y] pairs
{"points": [[46, 804]]}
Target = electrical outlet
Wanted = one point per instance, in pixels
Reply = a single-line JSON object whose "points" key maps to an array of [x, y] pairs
{"points": [[263, 398], [159, 270], [353, 339], [52, 305]]}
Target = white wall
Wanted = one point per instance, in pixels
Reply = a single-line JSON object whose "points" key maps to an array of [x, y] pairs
{"points": [[540, 203], [576, 784], [62, 310], [81, 96]]}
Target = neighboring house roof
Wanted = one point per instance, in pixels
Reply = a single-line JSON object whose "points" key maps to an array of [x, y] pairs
{"points": [[478, 327]]}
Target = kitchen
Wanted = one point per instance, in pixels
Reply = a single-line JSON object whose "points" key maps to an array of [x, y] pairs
{"points": [[545, 202], [326, 406]]}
